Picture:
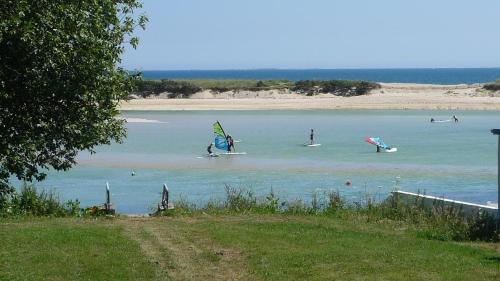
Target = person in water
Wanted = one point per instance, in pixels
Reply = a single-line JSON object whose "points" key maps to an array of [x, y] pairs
{"points": [[432, 120], [230, 143], [209, 149], [312, 136], [455, 118]]}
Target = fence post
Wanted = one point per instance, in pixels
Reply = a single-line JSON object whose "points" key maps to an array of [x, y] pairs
{"points": [[108, 198], [497, 132]]}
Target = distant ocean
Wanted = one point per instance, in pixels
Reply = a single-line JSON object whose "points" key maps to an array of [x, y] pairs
{"points": [[418, 75]]}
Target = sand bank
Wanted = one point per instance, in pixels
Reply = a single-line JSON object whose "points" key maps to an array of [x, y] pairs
{"points": [[389, 96]]}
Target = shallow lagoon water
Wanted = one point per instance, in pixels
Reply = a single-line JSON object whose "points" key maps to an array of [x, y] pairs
{"points": [[455, 160]]}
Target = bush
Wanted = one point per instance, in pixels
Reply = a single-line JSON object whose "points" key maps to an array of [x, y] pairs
{"points": [[495, 86], [30, 202], [174, 88], [344, 88]]}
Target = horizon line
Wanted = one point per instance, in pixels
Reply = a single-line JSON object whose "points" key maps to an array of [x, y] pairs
{"points": [[368, 68]]}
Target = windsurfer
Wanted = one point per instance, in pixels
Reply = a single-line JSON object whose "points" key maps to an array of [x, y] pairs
{"points": [[378, 148], [209, 149], [432, 120], [455, 118], [312, 136], [230, 143]]}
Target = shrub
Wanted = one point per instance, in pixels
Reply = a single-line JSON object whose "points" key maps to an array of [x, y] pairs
{"points": [[33, 203], [344, 88], [495, 86], [174, 88]]}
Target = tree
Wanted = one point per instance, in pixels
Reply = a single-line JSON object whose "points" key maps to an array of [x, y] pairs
{"points": [[59, 81]]}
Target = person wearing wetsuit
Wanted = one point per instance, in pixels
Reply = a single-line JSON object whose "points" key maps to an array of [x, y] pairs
{"points": [[432, 120], [312, 136], [209, 149], [230, 143], [455, 118]]}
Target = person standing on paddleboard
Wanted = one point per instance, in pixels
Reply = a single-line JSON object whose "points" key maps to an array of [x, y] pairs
{"points": [[312, 136]]}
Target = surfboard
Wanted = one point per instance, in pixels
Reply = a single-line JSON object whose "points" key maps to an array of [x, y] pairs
{"points": [[441, 121], [234, 153], [312, 145]]}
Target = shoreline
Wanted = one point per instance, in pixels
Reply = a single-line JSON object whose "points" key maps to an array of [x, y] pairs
{"points": [[391, 96]]}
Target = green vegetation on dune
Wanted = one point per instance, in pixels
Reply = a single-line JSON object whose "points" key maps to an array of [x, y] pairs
{"points": [[494, 86], [241, 84], [185, 88]]}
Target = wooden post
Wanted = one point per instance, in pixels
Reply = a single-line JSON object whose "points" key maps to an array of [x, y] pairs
{"points": [[108, 198], [164, 197], [497, 132]]}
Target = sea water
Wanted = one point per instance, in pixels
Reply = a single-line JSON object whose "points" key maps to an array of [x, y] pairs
{"points": [[455, 160], [406, 75]]}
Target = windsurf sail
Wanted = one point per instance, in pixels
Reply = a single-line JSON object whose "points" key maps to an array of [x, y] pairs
{"points": [[377, 141], [220, 137]]}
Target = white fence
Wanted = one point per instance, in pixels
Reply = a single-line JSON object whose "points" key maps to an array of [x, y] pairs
{"points": [[429, 202]]}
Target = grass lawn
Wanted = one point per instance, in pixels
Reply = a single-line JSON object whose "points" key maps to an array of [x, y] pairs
{"points": [[69, 249], [237, 247]]}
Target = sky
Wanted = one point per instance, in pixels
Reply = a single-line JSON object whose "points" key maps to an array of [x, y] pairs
{"points": [[312, 34]]}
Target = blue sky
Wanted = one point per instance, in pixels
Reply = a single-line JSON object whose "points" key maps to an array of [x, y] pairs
{"points": [[249, 34]]}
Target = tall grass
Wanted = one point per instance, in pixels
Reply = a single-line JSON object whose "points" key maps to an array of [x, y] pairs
{"points": [[30, 202], [439, 223]]}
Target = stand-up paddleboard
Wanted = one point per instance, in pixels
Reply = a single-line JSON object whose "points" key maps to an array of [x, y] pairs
{"points": [[312, 145], [441, 121]]}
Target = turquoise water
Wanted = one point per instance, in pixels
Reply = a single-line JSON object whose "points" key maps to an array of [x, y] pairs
{"points": [[457, 161], [405, 75]]}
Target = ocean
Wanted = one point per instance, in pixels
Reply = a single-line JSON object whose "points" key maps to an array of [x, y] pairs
{"points": [[455, 160], [443, 76]]}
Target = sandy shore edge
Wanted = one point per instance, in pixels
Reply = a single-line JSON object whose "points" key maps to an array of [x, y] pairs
{"points": [[389, 96]]}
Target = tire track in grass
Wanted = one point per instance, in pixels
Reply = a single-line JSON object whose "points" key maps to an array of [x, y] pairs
{"points": [[157, 255], [181, 254]]}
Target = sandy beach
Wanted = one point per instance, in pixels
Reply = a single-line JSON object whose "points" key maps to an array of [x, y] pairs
{"points": [[389, 96]]}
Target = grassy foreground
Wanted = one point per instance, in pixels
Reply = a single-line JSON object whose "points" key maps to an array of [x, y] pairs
{"points": [[234, 247]]}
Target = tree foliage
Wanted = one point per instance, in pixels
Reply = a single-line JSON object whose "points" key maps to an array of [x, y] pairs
{"points": [[59, 80]]}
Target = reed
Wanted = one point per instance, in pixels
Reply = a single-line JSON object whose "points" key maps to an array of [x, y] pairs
{"points": [[439, 223]]}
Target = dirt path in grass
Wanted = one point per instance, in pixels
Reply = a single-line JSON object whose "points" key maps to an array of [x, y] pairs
{"points": [[179, 254]]}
